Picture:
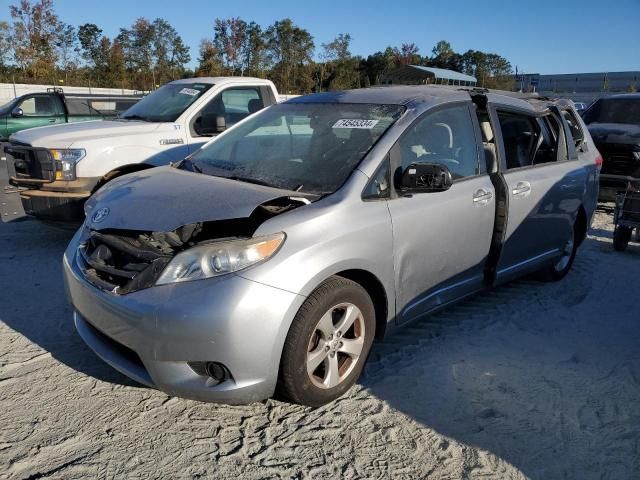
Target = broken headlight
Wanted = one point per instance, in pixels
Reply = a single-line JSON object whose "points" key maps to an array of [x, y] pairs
{"points": [[66, 159], [219, 258]]}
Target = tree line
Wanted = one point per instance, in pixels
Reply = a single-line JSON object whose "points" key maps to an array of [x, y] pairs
{"points": [[36, 46]]}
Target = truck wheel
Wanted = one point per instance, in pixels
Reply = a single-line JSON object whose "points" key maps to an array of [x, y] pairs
{"points": [[559, 270], [621, 238], [328, 343]]}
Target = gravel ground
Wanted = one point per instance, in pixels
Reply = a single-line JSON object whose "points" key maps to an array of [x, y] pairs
{"points": [[530, 380]]}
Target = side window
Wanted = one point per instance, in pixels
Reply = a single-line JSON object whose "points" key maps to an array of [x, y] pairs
{"points": [[445, 137], [40, 106], [546, 147], [554, 148], [574, 127], [240, 102], [521, 135], [78, 106], [28, 106], [122, 105], [233, 104], [103, 107], [379, 186]]}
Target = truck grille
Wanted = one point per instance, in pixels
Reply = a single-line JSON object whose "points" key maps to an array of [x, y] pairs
{"points": [[620, 163], [121, 263], [29, 165]]}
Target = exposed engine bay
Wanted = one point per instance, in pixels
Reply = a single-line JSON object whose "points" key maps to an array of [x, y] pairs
{"points": [[124, 261]]}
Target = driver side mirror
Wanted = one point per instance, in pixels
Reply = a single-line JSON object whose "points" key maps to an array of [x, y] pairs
{"points": [[17, 112], [210, 124], [420, 177], [221, 124]]}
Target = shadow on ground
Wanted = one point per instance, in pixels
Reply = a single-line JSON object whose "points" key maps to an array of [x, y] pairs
{"points": [[32, 298], [544, 376]]}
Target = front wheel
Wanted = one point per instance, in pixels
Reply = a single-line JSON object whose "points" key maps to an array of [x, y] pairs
{"points": [[328, 343], [621, 238]]}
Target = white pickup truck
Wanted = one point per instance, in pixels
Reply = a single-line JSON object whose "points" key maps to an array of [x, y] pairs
{"points": [[51, 171]]}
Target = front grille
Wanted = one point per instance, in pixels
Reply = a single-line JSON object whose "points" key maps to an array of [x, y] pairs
{"points": [[118, 348], [30, 165], [121, 262]]}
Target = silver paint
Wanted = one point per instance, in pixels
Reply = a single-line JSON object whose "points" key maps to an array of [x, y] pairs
{"points": [[425, 251]]}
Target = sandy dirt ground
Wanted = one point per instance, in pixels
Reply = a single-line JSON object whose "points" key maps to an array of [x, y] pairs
{"points": [[530, 380]]}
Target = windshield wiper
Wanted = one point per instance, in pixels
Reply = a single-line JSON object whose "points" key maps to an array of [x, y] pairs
{"points": [[191, 163]]}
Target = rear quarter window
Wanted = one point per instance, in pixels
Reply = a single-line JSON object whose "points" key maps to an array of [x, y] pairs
{"points": [[575, 129]]}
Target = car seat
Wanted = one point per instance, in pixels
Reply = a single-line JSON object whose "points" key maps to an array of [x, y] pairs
{"points": [[255, 105], [489, 146]]}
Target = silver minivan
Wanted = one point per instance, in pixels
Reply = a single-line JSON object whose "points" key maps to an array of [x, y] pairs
{"points": [[271, 259]]}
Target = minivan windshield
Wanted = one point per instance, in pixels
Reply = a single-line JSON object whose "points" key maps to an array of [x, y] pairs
{"points": [[308, 147], [614, 110], [167, 103]]}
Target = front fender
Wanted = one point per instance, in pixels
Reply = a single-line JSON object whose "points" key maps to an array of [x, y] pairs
{"points": [[326, 238], [99, 163]]}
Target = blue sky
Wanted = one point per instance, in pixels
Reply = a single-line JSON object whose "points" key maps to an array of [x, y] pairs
{"points": [[545, 36]]}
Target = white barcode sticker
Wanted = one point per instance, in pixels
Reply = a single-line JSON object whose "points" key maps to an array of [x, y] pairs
{"points": [[189, 91], [355, 123]]}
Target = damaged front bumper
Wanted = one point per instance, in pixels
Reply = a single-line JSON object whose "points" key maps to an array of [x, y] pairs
{"points": [[154, 335]]}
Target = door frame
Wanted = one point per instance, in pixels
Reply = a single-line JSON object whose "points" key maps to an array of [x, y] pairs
{"points": [[465, 286], [538, 259]]}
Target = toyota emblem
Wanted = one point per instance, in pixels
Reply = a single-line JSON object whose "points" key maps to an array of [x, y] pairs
{"points": [[100, 215]]}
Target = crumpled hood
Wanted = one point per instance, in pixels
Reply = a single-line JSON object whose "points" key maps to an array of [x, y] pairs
{"points": [[65, 135], [621, 133], [164, 199]]}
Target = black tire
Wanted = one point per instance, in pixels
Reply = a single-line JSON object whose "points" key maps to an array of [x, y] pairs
{"points": [[294, 382], [621, 238], [560, 269]]}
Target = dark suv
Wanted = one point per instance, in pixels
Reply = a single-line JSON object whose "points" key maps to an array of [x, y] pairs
{"points": [[614, 124]]}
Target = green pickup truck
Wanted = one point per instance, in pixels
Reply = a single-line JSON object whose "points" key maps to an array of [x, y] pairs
{"points": [[54, 107]]}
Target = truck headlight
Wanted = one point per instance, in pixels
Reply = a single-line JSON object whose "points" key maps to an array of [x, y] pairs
{"points": [[65, 160], [219, 258]]}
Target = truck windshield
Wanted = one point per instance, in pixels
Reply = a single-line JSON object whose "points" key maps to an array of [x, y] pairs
{"points": [[307, 147], [614, 110], [167, 103]]}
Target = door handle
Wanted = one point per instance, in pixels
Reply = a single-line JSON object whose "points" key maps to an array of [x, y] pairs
{"points": [[522, 189], [482, 197], [52, 120]]}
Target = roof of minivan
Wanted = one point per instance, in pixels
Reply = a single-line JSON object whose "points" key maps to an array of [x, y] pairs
{"points": [[405, 94], [217, 80], [389, 95]]}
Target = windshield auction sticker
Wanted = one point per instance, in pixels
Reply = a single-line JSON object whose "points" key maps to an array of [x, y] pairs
{"points": [[189, 91], [355, 123]]}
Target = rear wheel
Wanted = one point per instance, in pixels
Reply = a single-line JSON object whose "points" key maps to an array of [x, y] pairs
{"points": [[328, 343], [561, 267], [621, 237]]}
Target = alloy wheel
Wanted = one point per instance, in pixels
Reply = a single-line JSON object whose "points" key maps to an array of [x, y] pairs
{"points": [[336, 345], [567, 252]]}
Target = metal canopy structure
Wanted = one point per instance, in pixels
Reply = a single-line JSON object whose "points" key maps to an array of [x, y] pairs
{"points": [[419, 75]]}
